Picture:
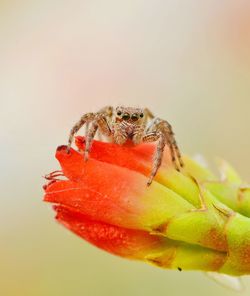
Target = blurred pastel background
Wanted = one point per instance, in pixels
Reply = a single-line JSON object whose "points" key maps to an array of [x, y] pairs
{"points": [[188, 61]]}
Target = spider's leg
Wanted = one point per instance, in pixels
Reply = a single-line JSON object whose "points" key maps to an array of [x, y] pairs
{"points": [[102, 117], [99, 136], [86, 129], [173, 143], [152, 124], [103, 125], [172, 152], [178, 153], [86, 134], [107, 110], [167, 130], [99, 123], [149, 113], [160, 126], [152, 137], [89, 139], [86, 118]]}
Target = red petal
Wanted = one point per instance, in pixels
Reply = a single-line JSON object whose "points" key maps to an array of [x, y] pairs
{"points": [[93, 191], [97, 195], [73, 164], [112, 194], [117, 240], [134, 157]]}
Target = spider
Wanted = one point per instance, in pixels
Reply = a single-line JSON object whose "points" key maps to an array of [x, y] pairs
{"points": [[138, 125]]}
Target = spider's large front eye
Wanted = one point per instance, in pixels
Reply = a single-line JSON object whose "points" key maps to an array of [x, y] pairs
{"points": [[119, 113], [126, 116], [134, 117], [141, 115]]}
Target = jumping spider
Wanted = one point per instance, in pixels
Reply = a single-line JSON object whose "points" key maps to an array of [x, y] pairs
{"points": [[126, 123]]}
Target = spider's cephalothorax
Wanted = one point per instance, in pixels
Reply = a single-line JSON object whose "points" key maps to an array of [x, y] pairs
{"points": [[134, 124], [128, 124]]}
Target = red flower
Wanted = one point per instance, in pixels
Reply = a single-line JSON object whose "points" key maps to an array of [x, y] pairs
{"points": [[182, 220], [101, 200]]}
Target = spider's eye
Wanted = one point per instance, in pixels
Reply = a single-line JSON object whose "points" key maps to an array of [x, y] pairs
{"points": [[141, 115], [126, 116], [134, 117], [119, 113]]}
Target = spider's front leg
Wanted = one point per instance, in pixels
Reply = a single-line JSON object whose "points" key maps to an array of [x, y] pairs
{"points": [[86, 118], [152, 137], [161, 130], [100, 123]]}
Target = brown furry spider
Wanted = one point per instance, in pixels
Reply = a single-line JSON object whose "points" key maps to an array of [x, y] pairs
{"points": [[127, 123]]}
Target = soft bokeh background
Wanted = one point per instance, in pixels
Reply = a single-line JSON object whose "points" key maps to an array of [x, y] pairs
{"points": [[189, 61]]}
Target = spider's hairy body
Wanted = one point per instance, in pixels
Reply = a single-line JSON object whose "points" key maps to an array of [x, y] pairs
{"points": [[124, 124]]}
